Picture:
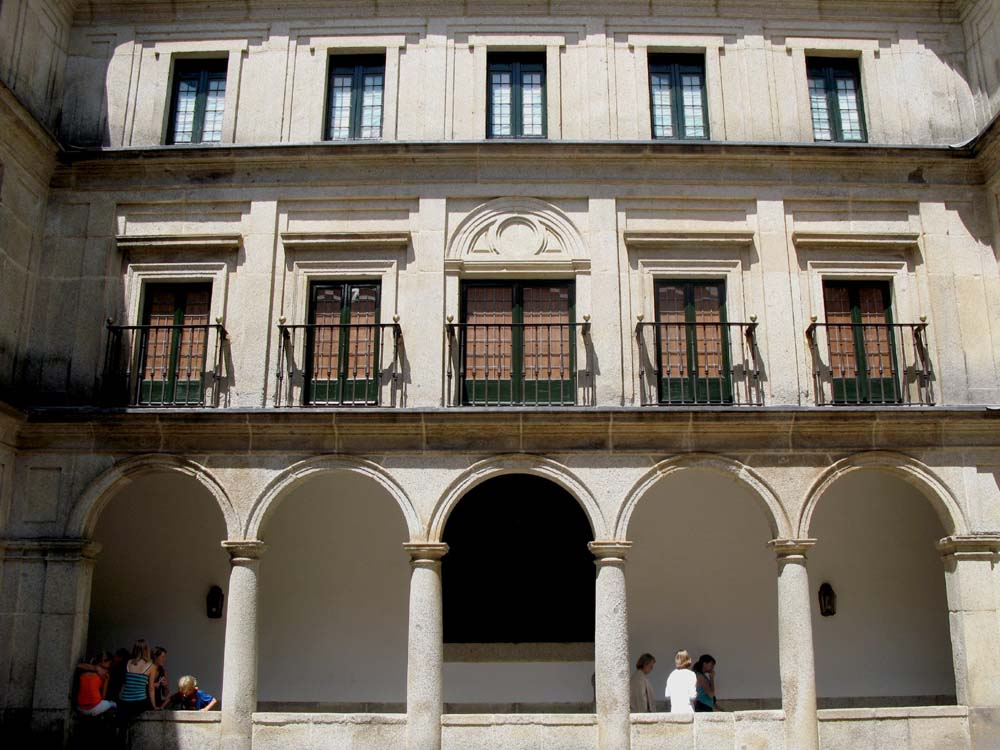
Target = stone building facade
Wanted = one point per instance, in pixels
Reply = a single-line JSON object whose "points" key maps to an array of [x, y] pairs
{"points": [[395, 321]]}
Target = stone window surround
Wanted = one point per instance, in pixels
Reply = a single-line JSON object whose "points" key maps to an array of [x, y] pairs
{"points": [[313, 78], [687, 44], [553, 44], [865, 51], [231, 49]]}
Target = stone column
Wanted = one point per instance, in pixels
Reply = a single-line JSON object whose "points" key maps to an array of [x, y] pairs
{"points": [[611, 662], [972, 578], [44, 612], [239, 671], [425, 653], [795, 644]]}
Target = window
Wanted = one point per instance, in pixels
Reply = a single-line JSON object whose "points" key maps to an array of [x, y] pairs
{"points": [[862, 342], [835, 99], [354, 98], [172, 344], [677, 100], [516, 95], [342, 343], [518, 343], [692, 343], [199, 100]]}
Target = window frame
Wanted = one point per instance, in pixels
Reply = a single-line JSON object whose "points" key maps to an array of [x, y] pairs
{"points": [[830, 69], [675, 65], [208, 68], [693, 389], [515, 391], [340, 385], [516, 63], [360, 65]]}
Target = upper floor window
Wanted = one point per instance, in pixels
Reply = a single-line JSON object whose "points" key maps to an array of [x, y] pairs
{"points": [[173, 344], [516, 95], [835, 99], [678, 103], [198, 101], [862, 341], [354, 100]]}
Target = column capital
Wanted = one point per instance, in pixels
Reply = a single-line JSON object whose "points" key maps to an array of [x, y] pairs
{"points": [[970, 545], [425, 552], [790, 548], [242, 550], [50, 549], [609, 551]]}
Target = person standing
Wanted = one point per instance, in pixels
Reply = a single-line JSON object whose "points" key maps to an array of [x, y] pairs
{"points": [[641, 696], [682, 685], [704, 672]]}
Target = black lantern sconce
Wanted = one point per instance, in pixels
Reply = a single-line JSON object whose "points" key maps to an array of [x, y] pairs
{"points": [[827, 600], [213, 603]]}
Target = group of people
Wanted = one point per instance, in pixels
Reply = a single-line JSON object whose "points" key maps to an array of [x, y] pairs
{"points": [[690, 687], [132, 682]]}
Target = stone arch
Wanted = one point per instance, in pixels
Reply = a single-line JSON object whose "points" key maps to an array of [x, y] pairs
{"points": [[908, 469], [543, 232], [83, 518], [516, 464], [298, 473], [777, 517]]}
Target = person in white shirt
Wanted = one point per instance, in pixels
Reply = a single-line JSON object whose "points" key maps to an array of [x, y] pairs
{"points": [[641, 694], [682, 685]]}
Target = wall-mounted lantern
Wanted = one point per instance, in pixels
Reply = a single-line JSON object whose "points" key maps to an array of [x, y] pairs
{"points": [[213, 603], [827, 600]]}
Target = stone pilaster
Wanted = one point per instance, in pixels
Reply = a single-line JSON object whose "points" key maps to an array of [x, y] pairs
{"points": [[611, 662], [239, 672], [972, 578], [43, 617], [425, 653], [795, 644]]}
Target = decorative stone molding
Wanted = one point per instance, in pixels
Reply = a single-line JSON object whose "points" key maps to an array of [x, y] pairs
{"points": [[62, 550], [856, 241], [985, 544], [682, 239], [791, 548], [425, 552], [609, 551], [516, 234], [244, 550], [345, 240], [149, 242]]}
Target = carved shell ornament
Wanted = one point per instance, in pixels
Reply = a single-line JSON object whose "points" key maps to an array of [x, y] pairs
{"points": [[516, 229]]}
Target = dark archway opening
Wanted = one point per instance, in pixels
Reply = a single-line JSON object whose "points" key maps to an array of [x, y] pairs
{"points": [[503, 586]]}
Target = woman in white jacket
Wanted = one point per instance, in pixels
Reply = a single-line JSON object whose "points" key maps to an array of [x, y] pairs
{"points": [[682, 685]]}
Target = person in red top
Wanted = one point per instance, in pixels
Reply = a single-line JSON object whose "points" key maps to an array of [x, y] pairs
{"points": [[92, 686]]}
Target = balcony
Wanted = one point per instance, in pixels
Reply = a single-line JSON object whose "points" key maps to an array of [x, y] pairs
{"points": [[163, 365], [879, 364], [344, 364], [699, 364], [519, 364]]}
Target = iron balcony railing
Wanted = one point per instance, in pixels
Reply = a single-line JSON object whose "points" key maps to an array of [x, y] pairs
{"points": [[884, 364], [343, 364], [695, 364], [519, 364], [163, 365]]}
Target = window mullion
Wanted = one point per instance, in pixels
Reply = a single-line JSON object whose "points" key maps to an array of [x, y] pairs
{"points": [[516, 101], [833, 104], [677, 101], [200, 104], [357, 84]]}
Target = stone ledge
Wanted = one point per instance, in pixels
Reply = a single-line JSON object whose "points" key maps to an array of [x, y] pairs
{"points": [[476, 720], [904, 712], [182, 717], [281, 719], [724, 717]]}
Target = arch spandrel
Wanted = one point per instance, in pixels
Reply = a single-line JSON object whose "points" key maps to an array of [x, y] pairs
{"points": [[87, 510], [777, 517], [516, 464], [300, 472], [908, 469]]}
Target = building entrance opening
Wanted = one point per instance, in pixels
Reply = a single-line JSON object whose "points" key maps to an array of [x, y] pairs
{"points": [[518, 585]]}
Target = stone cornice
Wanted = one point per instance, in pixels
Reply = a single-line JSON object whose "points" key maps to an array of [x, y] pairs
{"points": [[244, 549], [542, 430], [970, 545], [856, 241], [43, 548], [138, 243], [613, 551], [791, 547], [426, 552], [344, 240]]}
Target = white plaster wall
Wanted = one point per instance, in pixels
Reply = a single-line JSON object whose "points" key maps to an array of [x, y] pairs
{"points": [[890, 635], [334, 595], [161, 553], [701, 577]]}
